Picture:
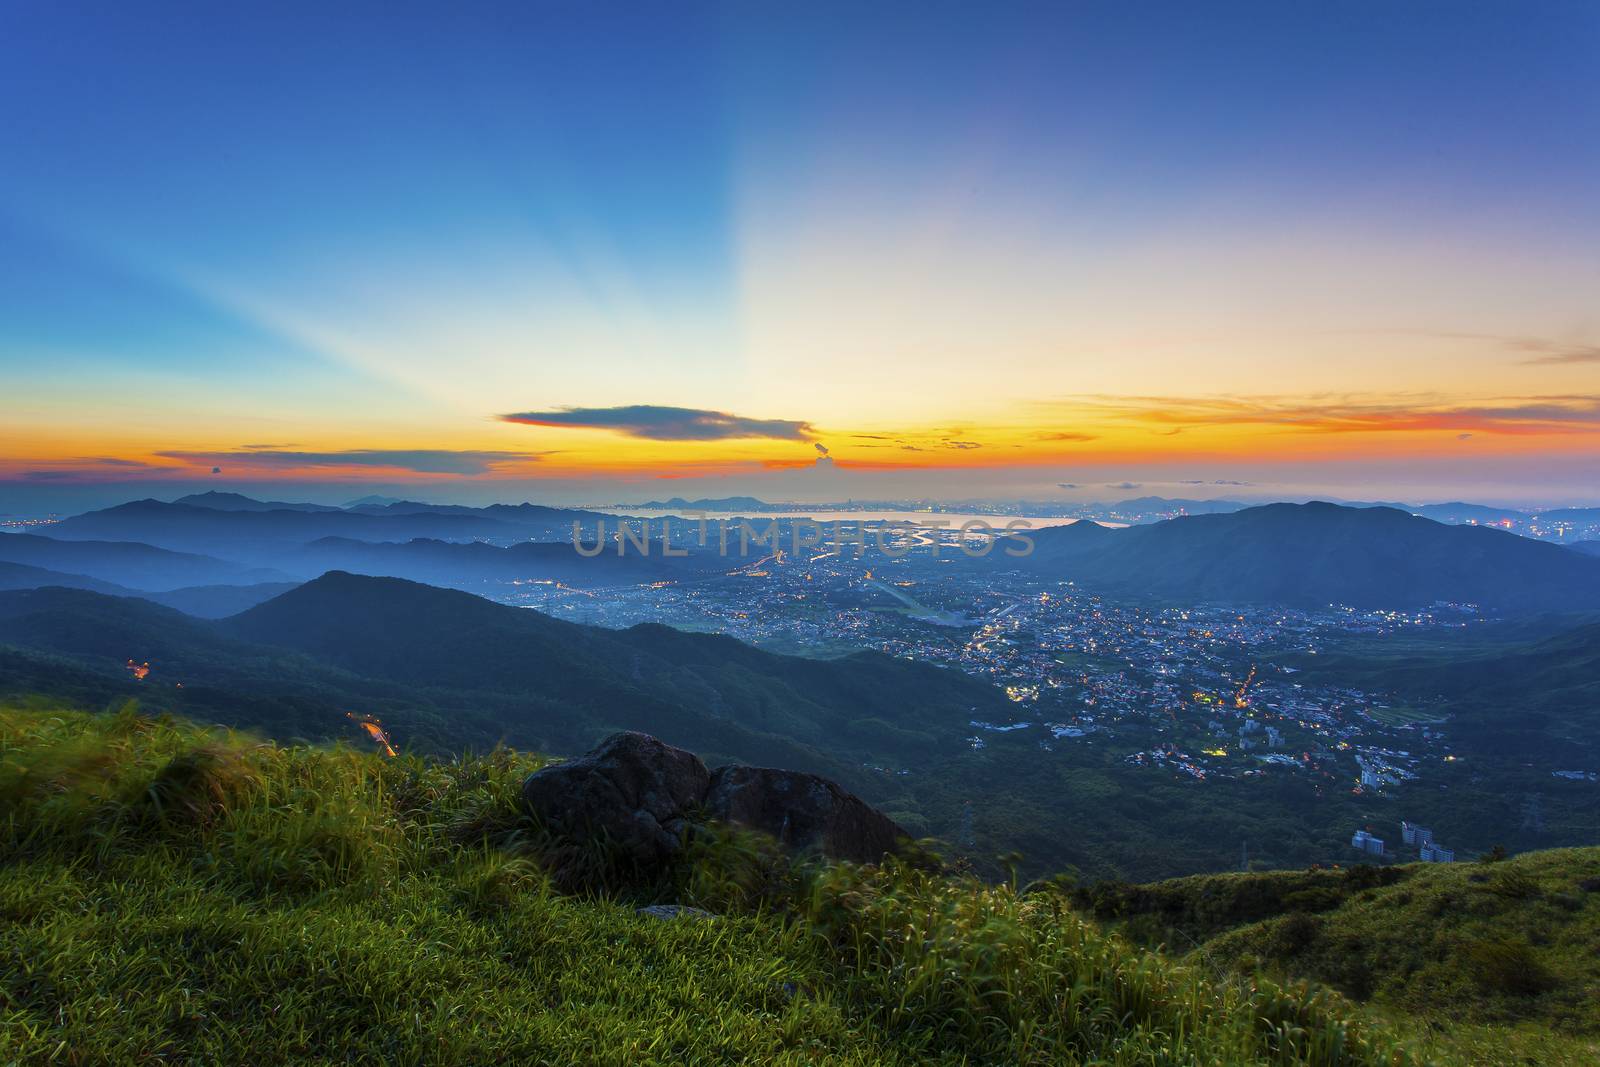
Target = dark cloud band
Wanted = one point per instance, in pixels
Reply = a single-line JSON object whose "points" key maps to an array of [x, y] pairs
{"points": [[659, 423]]}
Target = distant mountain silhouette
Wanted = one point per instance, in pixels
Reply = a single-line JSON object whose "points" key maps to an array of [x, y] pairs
{"points": [[1571, 515], [524, 513], [1317, 554], [218, 601], [1174, 504], [219, 501], [253, 534], [1075, 536], [469, 565], [1455, 512], [389, 506], [1458, 512], [134, 565], [204, 601], [22, 576], [724, 503]]}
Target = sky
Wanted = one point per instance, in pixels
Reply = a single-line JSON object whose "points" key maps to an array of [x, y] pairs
{"points": [[584, 252]]}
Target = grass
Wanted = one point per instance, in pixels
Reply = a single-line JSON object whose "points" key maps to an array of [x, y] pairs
{"points": [[175, 894], [1499, 961]]}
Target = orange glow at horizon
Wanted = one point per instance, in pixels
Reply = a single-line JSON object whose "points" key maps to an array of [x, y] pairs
{"points": [[1100, 431]]}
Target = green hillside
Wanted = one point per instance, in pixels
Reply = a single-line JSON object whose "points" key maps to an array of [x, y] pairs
{"points": [[175, 894], [1501, 955], [451, 671], [1513, 689], [448, 672]]}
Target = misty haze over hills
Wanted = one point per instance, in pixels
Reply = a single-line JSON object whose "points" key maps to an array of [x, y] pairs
{"points": [[191, 528], [1363, 555]]}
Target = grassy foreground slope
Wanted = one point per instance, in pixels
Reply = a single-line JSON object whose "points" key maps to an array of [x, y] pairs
{"points": [[174, 894], [1500, 955]]}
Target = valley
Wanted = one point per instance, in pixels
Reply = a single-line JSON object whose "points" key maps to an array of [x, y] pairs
{"points": [[1202, 733]]}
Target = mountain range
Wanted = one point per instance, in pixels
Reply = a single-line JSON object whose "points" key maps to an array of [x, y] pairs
{"points": [[470, 565], [22, 576], [1304, 555], [125, 563], [1146, 509], [222, 539], [724, 503], [1317, 554], [450, 670], [253, 532], [204, 601], [220, 501]]}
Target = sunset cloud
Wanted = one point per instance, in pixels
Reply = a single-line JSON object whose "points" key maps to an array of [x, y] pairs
{"points": [[1555, 352], [1546, 351], [93, 469], [416, 460], [112, 461], [659, 423], [1334, 414]]}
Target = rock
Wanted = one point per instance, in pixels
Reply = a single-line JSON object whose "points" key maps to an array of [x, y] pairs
{"points": [[804, 812], [643, 796], [675, 911], [632, 788]]}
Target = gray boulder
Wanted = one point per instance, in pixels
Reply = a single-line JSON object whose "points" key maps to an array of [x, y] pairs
{"points": [[804, 812], [634, 789], [644, 796]]}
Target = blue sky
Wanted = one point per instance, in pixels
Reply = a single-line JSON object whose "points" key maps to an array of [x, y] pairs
{"points": [[380, 227]]}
